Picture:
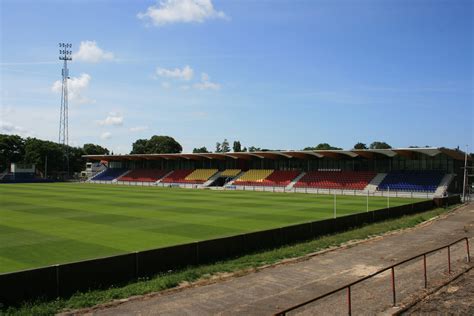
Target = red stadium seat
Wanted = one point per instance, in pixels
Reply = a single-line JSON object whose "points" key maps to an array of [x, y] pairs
{"points": [[179, 176], [346, 180], [144, 175]]}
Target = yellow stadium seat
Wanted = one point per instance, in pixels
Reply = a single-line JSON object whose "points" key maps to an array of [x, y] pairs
{"points": [[255, 175], [201, 174], [230, 172]]}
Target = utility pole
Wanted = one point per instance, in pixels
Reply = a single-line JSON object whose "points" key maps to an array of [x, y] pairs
{"points": [[465, 176], [388, 197], [65, 54]]}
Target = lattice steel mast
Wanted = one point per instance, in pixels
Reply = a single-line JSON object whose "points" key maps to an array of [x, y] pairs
{"points": [[64, 54]]}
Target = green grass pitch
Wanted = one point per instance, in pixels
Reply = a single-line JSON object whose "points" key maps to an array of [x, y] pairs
{"points": [[44, 224]]}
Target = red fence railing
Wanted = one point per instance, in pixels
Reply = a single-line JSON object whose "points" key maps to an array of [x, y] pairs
{"points": [[347, 287]]}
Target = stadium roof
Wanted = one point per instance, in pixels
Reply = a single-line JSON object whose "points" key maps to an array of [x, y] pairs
{"points": [[337, 154]]}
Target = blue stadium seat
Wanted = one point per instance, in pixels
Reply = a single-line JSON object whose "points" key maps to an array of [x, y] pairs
{"points": [[109, 174], [421, 181]]}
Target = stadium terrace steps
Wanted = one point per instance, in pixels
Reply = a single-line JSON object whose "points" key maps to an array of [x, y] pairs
{"points": [[344, 180], [122, 175], [109, 174], [96, 174], [373, 185], [295, 180], [165, 176], [444, 185], [237, 177], [421, 181], [144, 175], [3, 174], [211, 180]]}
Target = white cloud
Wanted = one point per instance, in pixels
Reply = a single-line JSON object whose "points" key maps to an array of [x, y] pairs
{"points": [[138, 128], [112, 119], [105, 135], [206, 84], [165, 85], [186, 73], [9, 128], [76, 87], [186, 11], [91, 53]]}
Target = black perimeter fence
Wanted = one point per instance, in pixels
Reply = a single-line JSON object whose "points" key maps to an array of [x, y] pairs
{"points": [[63, 280]]}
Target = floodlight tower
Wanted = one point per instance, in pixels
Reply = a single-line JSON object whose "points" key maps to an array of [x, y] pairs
{"points": [[65, 54]]}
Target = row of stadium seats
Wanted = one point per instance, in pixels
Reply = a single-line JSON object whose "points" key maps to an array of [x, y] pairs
{"points": [[197, 176], [347, 180], [144, 175], [229, 173], [425, 181], [109, 174], [281, 178], [267, 177], [201, 175], [275, 178], [177, 176], [254, 177]]}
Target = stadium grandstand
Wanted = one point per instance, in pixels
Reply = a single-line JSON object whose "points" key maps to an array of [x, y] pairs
{"points": [[431, 171]]}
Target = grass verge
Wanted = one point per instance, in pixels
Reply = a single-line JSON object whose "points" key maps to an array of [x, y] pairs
{"points": [[190, 274]]}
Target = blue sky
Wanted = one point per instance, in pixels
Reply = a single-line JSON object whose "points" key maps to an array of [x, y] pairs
{"points": [[272, 74]]}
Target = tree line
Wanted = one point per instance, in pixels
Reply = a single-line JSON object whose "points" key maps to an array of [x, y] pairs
{"points": [[224, 147], [45, 154]]}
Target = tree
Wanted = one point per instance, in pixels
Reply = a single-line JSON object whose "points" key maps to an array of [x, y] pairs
{"points": [[92, 149], [380, 145], [76, 162], [12, 149], [156, 145], [36, 151], [237, 147], [218, 147], [323, 146], [360, 146], [254, 149], [225, 147], [200, 150], [139, 146]]}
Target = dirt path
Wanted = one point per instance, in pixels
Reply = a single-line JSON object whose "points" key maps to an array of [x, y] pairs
{"points": [[282, 286], [456, 298]]}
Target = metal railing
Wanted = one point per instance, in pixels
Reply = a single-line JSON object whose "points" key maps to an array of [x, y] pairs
{"points": [[348, 287]]}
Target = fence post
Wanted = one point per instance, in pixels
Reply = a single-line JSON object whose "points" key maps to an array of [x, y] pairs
{"points": [[349, 303], [393, 287], [449, 259], [367, 200], [388, 197], [136, 265], [467, 248], [58, 289], [424, 268]]}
